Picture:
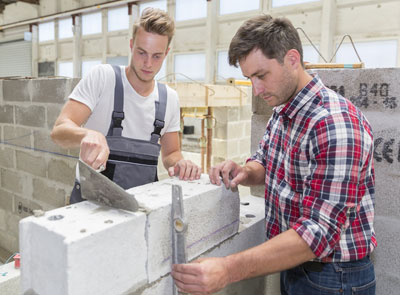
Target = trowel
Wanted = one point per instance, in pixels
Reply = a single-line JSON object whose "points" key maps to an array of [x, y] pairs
{"points": [[98, 188]]}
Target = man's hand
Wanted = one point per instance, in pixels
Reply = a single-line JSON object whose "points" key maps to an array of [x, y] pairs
{"points": [[94, 149], [185, 170], [203, 276], [232, 174]]}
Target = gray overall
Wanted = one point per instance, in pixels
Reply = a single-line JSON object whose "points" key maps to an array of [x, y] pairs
{"points": [[132, 162]]}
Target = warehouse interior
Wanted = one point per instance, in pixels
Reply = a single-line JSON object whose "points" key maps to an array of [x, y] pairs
{"points": [[47, 46]]}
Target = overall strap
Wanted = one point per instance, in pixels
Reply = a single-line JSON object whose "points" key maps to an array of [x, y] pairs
{"points": [[118, 112], [161, 106]]}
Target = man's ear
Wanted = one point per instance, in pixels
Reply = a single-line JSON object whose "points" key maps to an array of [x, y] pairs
{"points": [[293, 57]]}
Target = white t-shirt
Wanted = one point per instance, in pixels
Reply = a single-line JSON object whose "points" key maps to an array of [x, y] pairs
{"points": [[96, 91]]}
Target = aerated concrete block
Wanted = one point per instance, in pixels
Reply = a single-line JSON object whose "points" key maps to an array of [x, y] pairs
{"points": [[83, 249], [33, 115], [54, 90], [250, 234], [7, 114], [212, 214], [9, 279]]}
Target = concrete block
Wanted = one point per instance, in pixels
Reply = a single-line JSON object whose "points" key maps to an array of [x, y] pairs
{"points": [[6, 200], [244, 147], [48, 192], [7, 114], [62, 170], [3, 220], [385, 257], [52, 114], [18, 136], [245, 112], [9, 279], [221, 115], [8, 242], [232, 149], [260, 107], [43, 142], [235, 130], [219, 148], [12, 180], [16, 90], [369, 89], [258, 126], [220, 131], [83, 249], [258, 190], [233, 114], [251, 233], [212, 213], [12, 224], [31, 162], [30, 116], [6, 157], [54, 90], [24, 207], [1, 91]]}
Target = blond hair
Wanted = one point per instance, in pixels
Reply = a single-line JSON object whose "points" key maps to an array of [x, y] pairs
{"points": [[154, 20]]}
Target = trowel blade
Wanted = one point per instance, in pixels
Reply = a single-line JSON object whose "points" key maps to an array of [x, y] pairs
{"points": [[97, 187]]}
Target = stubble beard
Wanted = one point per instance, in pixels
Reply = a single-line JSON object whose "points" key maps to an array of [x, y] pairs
{"points": [[139, 77]]}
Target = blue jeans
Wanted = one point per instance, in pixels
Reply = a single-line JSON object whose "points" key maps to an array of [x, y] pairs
{"points": [[342, 278]]}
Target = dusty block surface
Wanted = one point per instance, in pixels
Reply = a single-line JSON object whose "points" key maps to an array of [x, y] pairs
{"points": [[83, 249], [212, 214], [9, 279]]}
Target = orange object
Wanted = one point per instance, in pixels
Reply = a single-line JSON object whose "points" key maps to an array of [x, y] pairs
{"points": [[17, 260]]}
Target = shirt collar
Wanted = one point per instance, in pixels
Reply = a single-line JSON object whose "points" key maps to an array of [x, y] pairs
{"points": [[294, 105]]}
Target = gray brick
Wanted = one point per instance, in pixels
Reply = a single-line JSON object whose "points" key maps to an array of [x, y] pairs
{"points": [[8, 242], [52, 114], [258, 125], [12, 180], [221, 115], [73, 82], [50, 90], [220, 130], [385, 257], [62, 170], [1, 91], [19, 136], [6, 157], [16, 90], [30, 116], [6, 200], [31, 162], [7, 114], [245, 113], [3, 220], [12, 224], [233, 114], [43, 142], [260, 107], [47, 192], [24, 207]]}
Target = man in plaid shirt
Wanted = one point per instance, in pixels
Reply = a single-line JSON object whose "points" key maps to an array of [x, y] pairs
{"points": [[316, 160]]}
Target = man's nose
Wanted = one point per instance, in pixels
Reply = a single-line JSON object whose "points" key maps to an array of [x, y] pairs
{"points": [[148, 62], [257, 88]]}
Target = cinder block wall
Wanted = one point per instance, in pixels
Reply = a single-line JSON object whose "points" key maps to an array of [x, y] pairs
{"points": [[377, 93], [34, 172]]}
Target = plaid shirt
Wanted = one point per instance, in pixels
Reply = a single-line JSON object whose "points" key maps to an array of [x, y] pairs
{"points": [[318, 154]]}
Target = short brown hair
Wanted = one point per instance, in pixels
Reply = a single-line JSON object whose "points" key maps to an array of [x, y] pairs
{"points": [[273, 36], [154, 20]]}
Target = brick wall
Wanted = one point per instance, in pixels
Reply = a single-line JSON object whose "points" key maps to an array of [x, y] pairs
{"points": [[34, 172]]}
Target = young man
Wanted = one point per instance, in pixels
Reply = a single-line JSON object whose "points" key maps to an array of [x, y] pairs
{"points": [[125, 113], [315, 160]]}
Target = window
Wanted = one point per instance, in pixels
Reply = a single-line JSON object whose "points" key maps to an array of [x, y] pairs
{"points": [[190, 67], [91, 23], [280, 3], [190, 9], [66, 69], [65, 28], [233, 6], [46, 69], [118, 19], [310, 54], [46, 31], [88, 65], [374, 54], [160, 4], [226, 71]]}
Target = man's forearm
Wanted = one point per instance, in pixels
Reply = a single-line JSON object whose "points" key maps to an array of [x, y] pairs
{"points": [[171, 159], [282, 252], [68, 135], [256, 174]]}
